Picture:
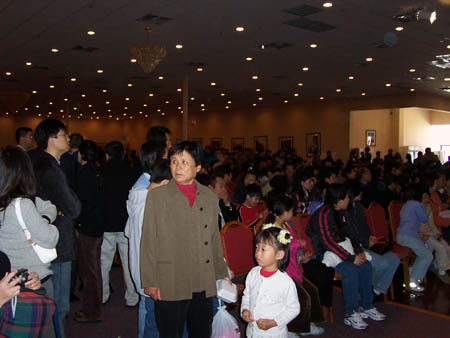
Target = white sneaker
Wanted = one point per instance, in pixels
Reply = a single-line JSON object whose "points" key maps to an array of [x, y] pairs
{"points": [[372, 313], [313, 330], [292, 335], [355, 321], [415, 286]]}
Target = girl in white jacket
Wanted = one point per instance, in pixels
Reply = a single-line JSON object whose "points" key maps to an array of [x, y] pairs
{"points": [[270, 299]]}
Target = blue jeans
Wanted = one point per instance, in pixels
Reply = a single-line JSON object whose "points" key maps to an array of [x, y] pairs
{"points": [[147, 319], [384, 268], [356, 278], [424, 255], [61, 291]]}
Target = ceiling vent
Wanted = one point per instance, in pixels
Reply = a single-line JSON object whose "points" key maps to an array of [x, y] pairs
{"points": [[442, 61], [86, 49], [276, 45], [445, 89], [310, 25], [303, 10], [154, 19]]}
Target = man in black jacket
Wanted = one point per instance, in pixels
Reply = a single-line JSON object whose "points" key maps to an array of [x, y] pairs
{"points": [[117, 178], [227, 211], [53, 141]]}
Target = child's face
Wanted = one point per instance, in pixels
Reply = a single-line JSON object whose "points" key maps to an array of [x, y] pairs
{"points": [[252, 201], [267, 257]]}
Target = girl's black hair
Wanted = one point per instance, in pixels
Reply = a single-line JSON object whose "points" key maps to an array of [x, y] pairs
{"points": [[161, 171], [335, 193], [278, 206], [269, 236]]}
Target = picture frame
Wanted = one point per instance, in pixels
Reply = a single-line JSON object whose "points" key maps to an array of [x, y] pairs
{"points": [[371, 138], [286, 143], [260, 143], [199, 140], [237, 144], [216, 143], [313, 144]]}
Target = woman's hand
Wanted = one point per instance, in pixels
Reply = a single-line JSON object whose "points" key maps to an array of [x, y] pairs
{"points": [[155, 293], [247, 316], [8, 288], [33, 282], [372, 241]]}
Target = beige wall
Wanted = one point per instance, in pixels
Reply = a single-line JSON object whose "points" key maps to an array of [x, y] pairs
{"points": [[439, 117], [414, 127]]}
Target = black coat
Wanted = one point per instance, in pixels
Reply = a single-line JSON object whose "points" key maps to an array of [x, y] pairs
{"points": [[117, 178], [53, 186], [90, 222]]}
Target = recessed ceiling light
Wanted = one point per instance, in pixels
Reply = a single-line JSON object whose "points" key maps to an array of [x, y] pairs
{"points": [[387, 84], [66, 99], [363, 94], [167, 102], [399, 28], [300, 84], [52, 86], [130, 85], [28, 63], [34, 91], [229, 102], [327, 4], [73, 79], [239, 29], [37, 106], [369, 59], [55, 50], [127, 99], [255, 77], [61, 111], [107, 102], [226, 107], [8, 73], [203, 109], [75, 108], [285, 101], [351, 77], [133, 60], [178, 46], [258, 89], [222, 94], [83, 95], [305, 69], [144, 105], [447, 79], [202, 105], [248, 58], [321, 98], [179, 89], [126, 108], [313, 45], [140, 113], [91, 32], [160, 77], [99, 71], [296, 94], [150, 94], [338, 90], [448, 46], [179, 107], [412, 70], [90, 106], [254, 104], [192, 98], [50, 103], [199, 69], [412, 90], [104, 90], [213, 83]]}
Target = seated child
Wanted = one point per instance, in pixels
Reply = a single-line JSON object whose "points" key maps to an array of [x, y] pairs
{"points": [[270, 299], [250, 212], [441, 247]]}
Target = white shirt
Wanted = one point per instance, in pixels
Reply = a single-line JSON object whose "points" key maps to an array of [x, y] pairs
{"points": [[273, 297]]}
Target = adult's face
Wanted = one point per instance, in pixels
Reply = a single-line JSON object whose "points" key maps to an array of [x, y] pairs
{"points": [[183, 168], [60, 142], [168, 142], [27, 140], [308, 184], [220, 188], [342, 204], [249, 179]]}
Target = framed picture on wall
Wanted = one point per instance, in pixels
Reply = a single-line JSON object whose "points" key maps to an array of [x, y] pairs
{"points": [[199, 140], [286, 143], [260, 143], [313, 144], [371, 138], [216, 143], [237, 144]]}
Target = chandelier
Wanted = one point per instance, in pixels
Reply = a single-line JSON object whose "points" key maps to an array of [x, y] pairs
{"points": [[148, 56]]}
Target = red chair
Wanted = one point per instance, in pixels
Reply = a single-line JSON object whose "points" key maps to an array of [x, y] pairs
{"points": [[376, 219]]}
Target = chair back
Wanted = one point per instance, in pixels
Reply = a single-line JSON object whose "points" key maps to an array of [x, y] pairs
{"points": [[238, 247], [299, 224], [377, 221], [257, 227], [394, 216]]}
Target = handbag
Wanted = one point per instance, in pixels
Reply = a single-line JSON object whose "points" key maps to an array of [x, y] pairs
{"points": [[44, 254]]}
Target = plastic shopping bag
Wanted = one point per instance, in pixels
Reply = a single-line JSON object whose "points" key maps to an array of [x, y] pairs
{"points": [[224, 324]]}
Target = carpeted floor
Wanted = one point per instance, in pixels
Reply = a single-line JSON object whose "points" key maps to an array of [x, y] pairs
{"points": [[121, 321]]}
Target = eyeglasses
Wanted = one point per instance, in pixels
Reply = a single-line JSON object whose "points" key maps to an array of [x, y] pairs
{"points": [[61, 135]]}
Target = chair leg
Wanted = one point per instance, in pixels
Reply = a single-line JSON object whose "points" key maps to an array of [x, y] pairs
{"points": [[325, 313], [391, 290], [331, 314]]}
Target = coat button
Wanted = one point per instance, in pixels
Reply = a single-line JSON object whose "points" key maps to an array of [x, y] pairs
{"points": [[206, 243], [201, 209], [206, 225], [207, 261]]}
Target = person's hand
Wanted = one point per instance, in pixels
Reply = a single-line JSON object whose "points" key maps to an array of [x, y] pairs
{"points": [[363, 257], [358, 260], [307, 257], [228, 280], [155, 293], [60, 213], [372, 241], [265, 324], [33, 282], [424, 228], [8, 288], [247, 316]]}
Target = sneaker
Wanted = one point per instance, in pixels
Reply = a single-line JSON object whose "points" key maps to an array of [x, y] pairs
{"points": [[355, 321], [292, 335], [313, 331], [415, 286], [372, 313]]}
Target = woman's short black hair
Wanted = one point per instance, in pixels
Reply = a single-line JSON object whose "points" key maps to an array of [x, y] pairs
{"points": [[115, 150], [270, 236], [46, 129], [334, 193], [149, 153], [89, 151], [16, 176], [161, 171], [192, 148]]}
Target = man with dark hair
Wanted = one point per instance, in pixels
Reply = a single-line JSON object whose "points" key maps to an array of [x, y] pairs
{"points": [[160, 134], [227, 211], [117, 179], [53, 141], [180, 265], [24, 138]]}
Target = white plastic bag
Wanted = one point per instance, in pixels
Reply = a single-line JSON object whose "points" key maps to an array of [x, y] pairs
{"points": [[224, 324]]}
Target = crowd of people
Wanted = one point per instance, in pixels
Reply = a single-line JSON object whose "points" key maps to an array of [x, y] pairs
{"points": [[164, 208]]}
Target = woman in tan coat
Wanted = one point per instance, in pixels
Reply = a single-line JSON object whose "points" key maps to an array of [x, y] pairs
{"points": [[181, 254]]}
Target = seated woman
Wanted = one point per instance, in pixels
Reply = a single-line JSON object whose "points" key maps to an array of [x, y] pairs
{"points": [[304, 190], [281, 211], [327, 228], [383, 266], [413, 222], [17, 180]]}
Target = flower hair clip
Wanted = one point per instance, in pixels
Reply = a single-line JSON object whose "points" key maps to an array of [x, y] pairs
{"points": [[284, 237], [268, 226]]}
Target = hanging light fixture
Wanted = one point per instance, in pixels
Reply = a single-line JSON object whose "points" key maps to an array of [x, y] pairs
{"points": [[148, 56]]}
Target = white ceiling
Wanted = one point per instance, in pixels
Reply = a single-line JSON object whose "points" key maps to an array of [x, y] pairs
{"points": [[206, 29]]}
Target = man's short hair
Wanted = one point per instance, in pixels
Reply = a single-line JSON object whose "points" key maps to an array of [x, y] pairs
{"points": [[115, 150], [46, 129], [22, 132], [192, 148], [158, 134], [222, 170], [75, 140], [253, 190]]}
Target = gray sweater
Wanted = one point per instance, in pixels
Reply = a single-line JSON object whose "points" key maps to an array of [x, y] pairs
{"points": [[12, 238]]}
